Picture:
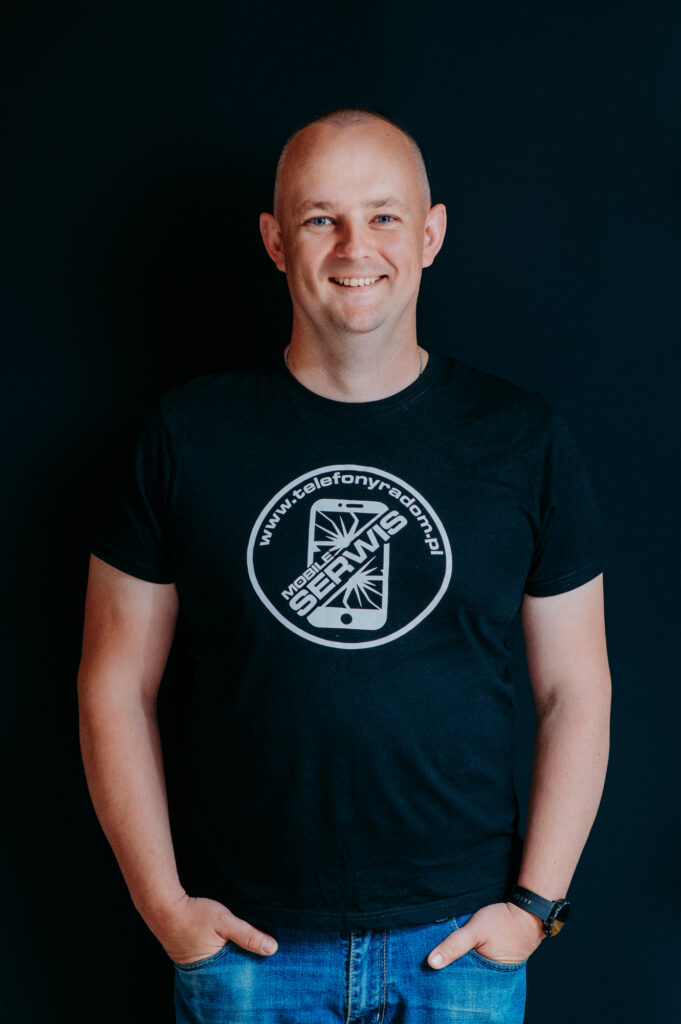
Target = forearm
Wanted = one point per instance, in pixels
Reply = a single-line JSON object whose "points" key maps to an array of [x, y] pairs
{"points": [[121, 751], [571, 747]]}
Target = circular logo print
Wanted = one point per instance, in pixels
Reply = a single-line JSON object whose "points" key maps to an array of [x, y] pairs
{"points": [[349, 556]]}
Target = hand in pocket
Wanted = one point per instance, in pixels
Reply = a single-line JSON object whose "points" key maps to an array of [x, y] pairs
{"points": [[196, 928]]}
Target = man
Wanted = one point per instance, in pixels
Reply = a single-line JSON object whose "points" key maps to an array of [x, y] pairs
{"points": [[346, 541]]}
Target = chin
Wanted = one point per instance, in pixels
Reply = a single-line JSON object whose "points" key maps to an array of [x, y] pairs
{"points": [[357, 325]]}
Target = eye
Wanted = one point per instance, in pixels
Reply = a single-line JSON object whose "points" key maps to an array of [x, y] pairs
{"points": [[385, 216], [313, 219]]}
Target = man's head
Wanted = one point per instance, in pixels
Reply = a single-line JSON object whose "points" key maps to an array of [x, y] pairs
{"points": [[347, 117], [352, 201]]}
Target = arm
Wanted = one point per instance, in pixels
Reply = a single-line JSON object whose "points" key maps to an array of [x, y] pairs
{"points": [[568, 667], [128, 632]]}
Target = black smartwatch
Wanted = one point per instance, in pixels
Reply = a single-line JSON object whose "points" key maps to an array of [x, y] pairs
{"points": [[552, 913]]}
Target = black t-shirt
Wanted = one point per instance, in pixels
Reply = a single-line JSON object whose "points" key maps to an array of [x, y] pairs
{"points": [[347, 576]]}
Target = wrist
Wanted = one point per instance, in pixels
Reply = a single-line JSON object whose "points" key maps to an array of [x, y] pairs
{"points": [[158, 909], [553, 913]]}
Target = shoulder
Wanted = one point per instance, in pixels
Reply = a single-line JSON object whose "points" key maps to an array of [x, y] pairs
{"points": [[208, 388], [478, 392], [201, 399]]}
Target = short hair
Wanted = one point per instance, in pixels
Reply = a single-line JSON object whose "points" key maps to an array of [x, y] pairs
{"points": [[348, 117]]}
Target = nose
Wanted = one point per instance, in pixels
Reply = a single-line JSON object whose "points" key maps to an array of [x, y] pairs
{"points": [[352, 241]]}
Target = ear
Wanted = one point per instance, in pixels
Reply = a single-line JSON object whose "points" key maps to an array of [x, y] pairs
{"points": [[434, 233], [272, 237]]}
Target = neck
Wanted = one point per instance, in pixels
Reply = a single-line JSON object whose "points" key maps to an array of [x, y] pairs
{"points": [[363, 375]]}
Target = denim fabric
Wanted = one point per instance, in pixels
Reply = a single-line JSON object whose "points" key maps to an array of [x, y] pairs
{"points": [[360, 977]]}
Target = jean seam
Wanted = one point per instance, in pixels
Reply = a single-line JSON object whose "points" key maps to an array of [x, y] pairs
{"points": [[381, 1018], [351, 975]]}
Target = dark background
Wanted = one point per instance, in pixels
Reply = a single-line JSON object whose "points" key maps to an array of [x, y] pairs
{"points": [[139, 145]]}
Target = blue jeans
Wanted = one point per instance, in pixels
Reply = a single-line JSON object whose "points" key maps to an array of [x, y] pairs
{"points": [[363, 977]]}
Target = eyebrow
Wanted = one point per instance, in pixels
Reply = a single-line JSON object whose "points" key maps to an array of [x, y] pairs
{"points": [[325, 204]]}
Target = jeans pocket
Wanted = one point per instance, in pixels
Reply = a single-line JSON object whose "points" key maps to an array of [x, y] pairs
{"points": [[193, 965], [494, 965]]}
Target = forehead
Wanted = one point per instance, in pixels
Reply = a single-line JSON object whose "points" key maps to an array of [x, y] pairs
{"points": [[334, 164]]}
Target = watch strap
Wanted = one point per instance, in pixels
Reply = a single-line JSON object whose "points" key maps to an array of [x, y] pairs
{"points": [[535, 904]]}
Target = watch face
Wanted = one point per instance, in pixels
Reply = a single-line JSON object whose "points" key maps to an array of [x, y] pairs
{"points": [[560, 918]]}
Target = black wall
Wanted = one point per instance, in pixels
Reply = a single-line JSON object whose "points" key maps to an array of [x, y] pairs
{"points": [[139, 143]]}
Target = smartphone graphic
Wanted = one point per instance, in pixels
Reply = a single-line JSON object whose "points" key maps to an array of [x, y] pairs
{"points": [[344, 529]]}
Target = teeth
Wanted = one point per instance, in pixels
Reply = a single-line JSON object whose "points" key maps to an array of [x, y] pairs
{"points": [[356, 282]]}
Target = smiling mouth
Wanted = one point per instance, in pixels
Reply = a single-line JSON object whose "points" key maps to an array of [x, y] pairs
{"points": [[357, 282]]}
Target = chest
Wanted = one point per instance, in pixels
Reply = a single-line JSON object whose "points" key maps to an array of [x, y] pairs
{"points": [[353, 537]]}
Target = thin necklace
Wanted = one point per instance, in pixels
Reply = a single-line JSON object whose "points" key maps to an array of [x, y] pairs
{"points": [[289, 369]]}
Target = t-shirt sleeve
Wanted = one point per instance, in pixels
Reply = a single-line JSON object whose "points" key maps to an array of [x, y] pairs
{"points": [[129, 524], [571, 544]]}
